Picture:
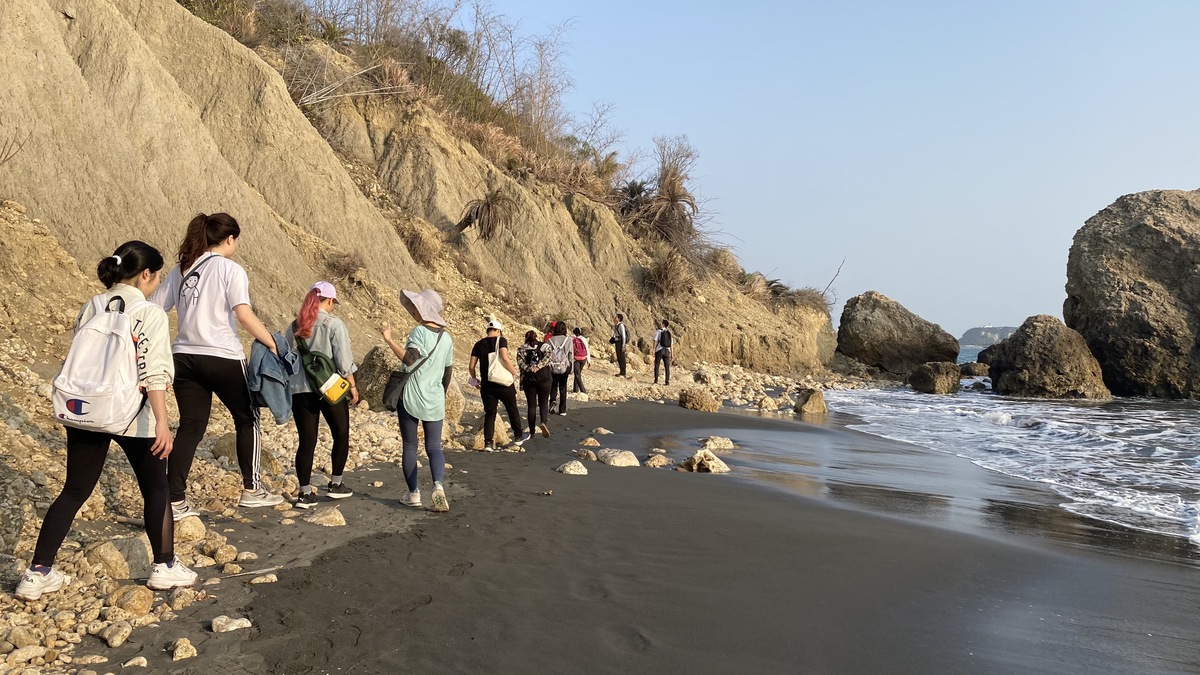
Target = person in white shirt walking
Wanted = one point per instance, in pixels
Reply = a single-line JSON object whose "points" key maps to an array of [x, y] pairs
{"points": [[663, 342], [211, 294], [128, 274]]}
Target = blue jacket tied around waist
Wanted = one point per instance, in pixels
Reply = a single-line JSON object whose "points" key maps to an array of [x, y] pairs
{"points": [[269, 377]]}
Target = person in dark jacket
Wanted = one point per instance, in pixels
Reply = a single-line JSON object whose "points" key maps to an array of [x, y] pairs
{"points": [[533, 358], [496, 388], [619, 340]]}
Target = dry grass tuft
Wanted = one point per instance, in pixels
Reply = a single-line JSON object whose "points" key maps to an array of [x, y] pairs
{"points": [[340, 265], [488, 214], [424, 243], [722, 262], [669, 275]]}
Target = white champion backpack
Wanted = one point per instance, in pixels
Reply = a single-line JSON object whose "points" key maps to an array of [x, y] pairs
{"points": [[561, 356], [98, 387]]}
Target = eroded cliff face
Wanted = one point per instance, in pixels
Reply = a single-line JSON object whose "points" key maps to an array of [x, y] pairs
{"points": [[139, 115], [1133, 292]]}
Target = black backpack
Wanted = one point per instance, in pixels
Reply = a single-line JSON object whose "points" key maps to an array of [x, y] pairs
{"points": [[664, 340]]}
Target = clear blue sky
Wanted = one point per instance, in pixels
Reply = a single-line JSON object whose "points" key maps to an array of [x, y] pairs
{"points": [[948, 150]]}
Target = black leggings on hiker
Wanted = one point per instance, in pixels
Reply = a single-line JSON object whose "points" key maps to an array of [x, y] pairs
{"points": [[577, 384], [493, 395], [197, 378], [86, 452], [537, 395], [308, 409], [558, 388]]}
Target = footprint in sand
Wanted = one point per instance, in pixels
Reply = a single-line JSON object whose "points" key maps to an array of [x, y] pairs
{"points": [[625, 638], [519, 541], [459, 569], [414, 604]]}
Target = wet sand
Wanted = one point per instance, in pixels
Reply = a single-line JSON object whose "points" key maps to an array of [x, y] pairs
{"points": [[655, 571]]}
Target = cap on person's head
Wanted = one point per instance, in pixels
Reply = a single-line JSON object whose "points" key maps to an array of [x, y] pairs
{"points": [[325, 291], [495, 324], [428, 305]]}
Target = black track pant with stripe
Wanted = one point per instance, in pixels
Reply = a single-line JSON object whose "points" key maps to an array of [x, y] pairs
{"points": [[197, 378]]}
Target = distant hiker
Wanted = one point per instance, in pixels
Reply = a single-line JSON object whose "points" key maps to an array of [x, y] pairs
{"points": [[549, 332], [211, 294], [533, 359], [317, 333], [496, 379], [619, 339], [428, 362], [120, 340], [562, 356], [583, 359], [662, 351]]}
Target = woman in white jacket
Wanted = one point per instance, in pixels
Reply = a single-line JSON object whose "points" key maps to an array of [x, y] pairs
{"points": [[130, 274]]}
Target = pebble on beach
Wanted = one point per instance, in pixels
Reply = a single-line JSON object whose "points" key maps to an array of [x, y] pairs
{"points": [[704, 461], [182, 649], [225, 624], [573, 468], [613, 457]]}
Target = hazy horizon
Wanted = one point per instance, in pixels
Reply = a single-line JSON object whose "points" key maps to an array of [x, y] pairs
{"points": [[949, 151]]}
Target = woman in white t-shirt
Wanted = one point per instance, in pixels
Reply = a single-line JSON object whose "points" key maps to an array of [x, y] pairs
{"points": [[211, 294]]}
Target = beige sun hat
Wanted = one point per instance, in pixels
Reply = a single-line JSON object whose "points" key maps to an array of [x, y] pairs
{"points": [[428, 305]]}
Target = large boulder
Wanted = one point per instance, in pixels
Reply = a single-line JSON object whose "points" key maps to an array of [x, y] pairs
{"points": [[935, 378], [1045, 359], [810, 402], [880, 332], [373, 374], [974, 369], [697, 398], [1134, 295]]}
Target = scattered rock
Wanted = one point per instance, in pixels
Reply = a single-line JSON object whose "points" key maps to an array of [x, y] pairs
{"points": [[717, 444], [182, 649], [695, 398], [23, 636], [25, 655], [600, 431], [973, 369], [586, 454], [182, 598], [704, 462], [936, 378], [573, 468], [231, 568], [189, 529], [117, 633], [135, 599], [590, 443], [614, 457], [136, 662], [327, 516], [658, 461], [810, 402], [265, 579], [225, 624], [224, 554], [767, 403]]}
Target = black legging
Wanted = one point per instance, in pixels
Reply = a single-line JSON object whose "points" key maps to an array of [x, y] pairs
{"points": [[537, 395], [578, 383], [197, 378], [86, 451], [558, 387], [621, 358], [493, 395], [308, 410]]}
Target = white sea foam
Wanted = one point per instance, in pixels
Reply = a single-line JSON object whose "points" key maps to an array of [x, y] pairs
{"points": [[1132, 462]]}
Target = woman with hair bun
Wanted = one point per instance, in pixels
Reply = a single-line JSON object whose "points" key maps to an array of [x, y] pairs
{"points": [[211, 294], [130, 274], [324, 333]]}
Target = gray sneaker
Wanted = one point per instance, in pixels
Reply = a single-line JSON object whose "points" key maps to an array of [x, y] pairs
{"points": [[411, 498], [255, 498]]}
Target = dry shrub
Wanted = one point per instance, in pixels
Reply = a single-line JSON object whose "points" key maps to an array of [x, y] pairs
{"points": [[803, 297], [754, 286], [493, 143], [424, 243], [392, 74], [669, 274], [340, 265], [488, 214], [722, 262]]}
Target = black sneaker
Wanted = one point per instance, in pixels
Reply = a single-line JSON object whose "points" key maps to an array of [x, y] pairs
{"points": [[307, 500], [338, 491]]}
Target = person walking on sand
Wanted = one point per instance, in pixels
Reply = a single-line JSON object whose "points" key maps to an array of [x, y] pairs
{"points": [[322, 333], [211, 294], [562, 355], [583, 359], [129, 274], [663, 341], [428, 357], [619, 339], [533, 359], [495, 381]]}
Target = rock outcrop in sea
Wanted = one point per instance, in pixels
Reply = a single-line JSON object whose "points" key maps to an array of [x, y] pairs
{"points": [[1133, 292], [936, 378], [880, 332], [1045, 359]]}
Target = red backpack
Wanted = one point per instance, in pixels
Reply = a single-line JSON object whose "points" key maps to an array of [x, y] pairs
{"points": [[581, 350]]}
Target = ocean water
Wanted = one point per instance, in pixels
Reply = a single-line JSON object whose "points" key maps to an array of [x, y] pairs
{"points": [[1132, 462], [968, 354]]}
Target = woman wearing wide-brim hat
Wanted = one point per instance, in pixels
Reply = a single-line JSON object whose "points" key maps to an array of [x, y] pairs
{"points": [[428, 354]]}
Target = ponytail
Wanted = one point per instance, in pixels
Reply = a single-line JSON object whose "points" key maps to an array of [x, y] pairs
{"points": [[128, 261], [307, 317], [205, 232]]}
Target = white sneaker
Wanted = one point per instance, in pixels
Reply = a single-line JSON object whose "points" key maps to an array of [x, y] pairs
{"points": [[34, 584], [255, 498], [411, 498], [176, 575], [181, 510], [440, 503]]}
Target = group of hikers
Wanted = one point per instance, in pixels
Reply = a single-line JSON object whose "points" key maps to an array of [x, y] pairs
{"points": [[113, 388]]}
